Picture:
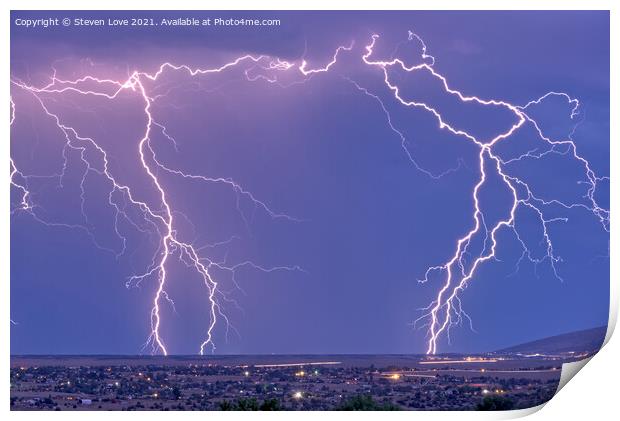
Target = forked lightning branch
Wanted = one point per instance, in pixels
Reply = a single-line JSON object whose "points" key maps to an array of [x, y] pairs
{"points": [[453, 275]]}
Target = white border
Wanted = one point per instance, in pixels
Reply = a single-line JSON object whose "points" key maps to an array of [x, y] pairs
{"points": [[596, 388]]}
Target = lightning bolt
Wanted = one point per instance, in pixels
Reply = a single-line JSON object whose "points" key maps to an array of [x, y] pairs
{"points": [[17, 179], [162, 220], [446, 310]]}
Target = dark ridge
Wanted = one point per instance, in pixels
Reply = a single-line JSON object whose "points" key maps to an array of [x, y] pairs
{"points": [[589, 340]]}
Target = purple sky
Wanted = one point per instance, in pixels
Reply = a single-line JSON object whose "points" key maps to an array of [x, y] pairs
{"points": [[322, 151]]}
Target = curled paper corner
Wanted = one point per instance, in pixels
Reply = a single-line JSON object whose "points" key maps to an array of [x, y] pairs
{"points": [[569, 370]]}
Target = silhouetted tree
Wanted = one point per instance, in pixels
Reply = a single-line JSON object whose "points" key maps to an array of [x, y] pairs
{"points": [[247, 404], [270, 405], [251, 404], [226, 406], [366, 403], [495, 403]]}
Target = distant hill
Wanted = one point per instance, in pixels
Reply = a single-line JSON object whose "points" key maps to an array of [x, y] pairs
{"points": [[589, 340]]}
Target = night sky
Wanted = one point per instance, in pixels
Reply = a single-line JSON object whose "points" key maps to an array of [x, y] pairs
{"points": [[367, 222]]}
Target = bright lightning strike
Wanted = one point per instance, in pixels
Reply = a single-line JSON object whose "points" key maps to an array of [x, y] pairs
{"points": [[162, 217], [446, 310]]}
